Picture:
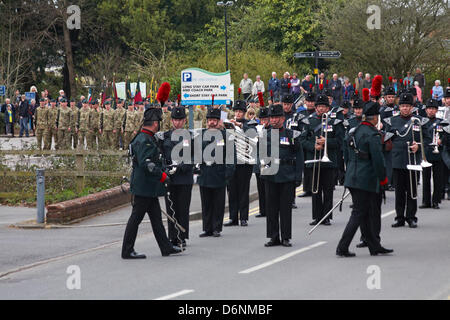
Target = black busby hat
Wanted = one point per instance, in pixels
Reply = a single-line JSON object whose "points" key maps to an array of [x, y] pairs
{"points": [[240, 105], [276, 110], [288, 98], [371, 108], [178, 113], [213, 113], [327, 92], [322, 99], [390, 91], [447, 93], [406, 98], [358, 103], [432, 103], [310, 96], [413, 91], [346, 104], [263, 113], [152, 114]]}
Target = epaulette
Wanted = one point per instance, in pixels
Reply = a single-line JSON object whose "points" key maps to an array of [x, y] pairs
{"points": [[425, 120], [300, 116], [388, 135], [159, 135], [346, 123], [295, 134], [447, 129], [388, 120], [352, 131], [252, 123], [305, 121], [337, 121], [388, 109]]}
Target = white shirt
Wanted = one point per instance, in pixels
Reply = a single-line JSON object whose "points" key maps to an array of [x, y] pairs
{"points": [[258, 86]]}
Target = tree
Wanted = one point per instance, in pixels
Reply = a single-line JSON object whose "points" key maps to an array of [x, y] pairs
{"points": [[412, 34]]}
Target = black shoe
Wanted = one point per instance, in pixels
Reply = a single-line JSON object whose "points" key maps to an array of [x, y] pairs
{"points": [[134, 255], [305, 194], [412, 224], [244, 223], [351, 206], [216, 234], [346, 254], [205, 234], [326, 222], [424, 206], [286, 243], [436, 206], [231, 223], [294, 206], [398, 224], [174, 250], [362, 244], [260, 215], [381, 251], [314, 222], [390, 188], [273, 243]]}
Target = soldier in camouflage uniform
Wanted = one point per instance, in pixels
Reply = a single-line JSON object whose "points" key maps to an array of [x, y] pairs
{"points": [[74, 131], [166, 123], [51, 131], [64, 122], [119, 121], [130, 127], [83, 124], [41, 122], [139, 117], [94, 119], [106, 125]]}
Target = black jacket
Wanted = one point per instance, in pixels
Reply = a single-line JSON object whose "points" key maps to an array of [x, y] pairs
{"points": [[24, 109]]}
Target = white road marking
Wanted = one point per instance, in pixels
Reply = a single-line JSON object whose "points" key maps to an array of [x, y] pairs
{"points": [[284, 257], [387, 214], [174, 295]]}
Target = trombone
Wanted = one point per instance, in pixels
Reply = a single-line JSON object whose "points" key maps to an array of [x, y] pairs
{"points": [[435, 141], [412, 164], [243, 143], [317, 161]]}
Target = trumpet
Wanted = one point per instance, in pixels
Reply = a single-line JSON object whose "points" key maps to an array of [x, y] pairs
{"points": [[435, 141], [316, 161]]}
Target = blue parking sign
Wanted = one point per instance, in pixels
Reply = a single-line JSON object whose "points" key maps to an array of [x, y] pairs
{"points": [[2, 90], [187, 77]]}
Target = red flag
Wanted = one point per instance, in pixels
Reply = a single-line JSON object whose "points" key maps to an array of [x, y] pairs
{"points": [[137, 95]]}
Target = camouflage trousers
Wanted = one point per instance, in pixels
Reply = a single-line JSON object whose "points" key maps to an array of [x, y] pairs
{"points": [[40, 136], [120, 140], [82, 135], [93, 136], [107, 139], [74, 138], [128, 136], [50, 134], [64, 139]]}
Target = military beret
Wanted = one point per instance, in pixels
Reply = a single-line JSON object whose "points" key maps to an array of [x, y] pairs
{"points": [[53, 100], [346, 104], [130, 103], [63, 100], [413, 91], [263, 113], [432, 103], [41, 100], [84, 101], [92, 103], [72, 100], [152, 114], [447, 93], [95, 101], [371, 108], [107, 103], [276, 110], [322, 99], [389, 91], [213, 113], [288, 98], [276, 100], [406, 98], [311, 96], [240, 105], [178, 113]]}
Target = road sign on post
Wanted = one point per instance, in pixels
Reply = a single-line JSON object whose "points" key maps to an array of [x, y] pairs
{"points": [[318, 55], [2, 90]]}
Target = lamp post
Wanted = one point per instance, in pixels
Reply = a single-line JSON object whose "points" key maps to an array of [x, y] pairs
{"points": [[225, 5]]}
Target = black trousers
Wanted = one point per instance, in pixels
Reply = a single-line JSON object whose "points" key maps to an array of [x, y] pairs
{"points": [[307, 178], [375, 218], [388, 162], [246, 95], [403, 199], [238, 192], [363, 209], [322, 201], [213, 208], [180, 195], [341, 168], [261, 194], [141, 206], [438, 172], [279, 209]]}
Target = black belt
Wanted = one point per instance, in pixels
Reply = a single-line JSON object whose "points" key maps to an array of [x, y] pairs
{"points": [[289, 162]]}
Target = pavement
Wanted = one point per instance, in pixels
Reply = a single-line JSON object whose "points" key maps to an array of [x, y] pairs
{"points": [[40, 264]]}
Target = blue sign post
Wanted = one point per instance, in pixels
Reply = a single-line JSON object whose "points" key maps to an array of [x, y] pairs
{"points": [[2, 90]]}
